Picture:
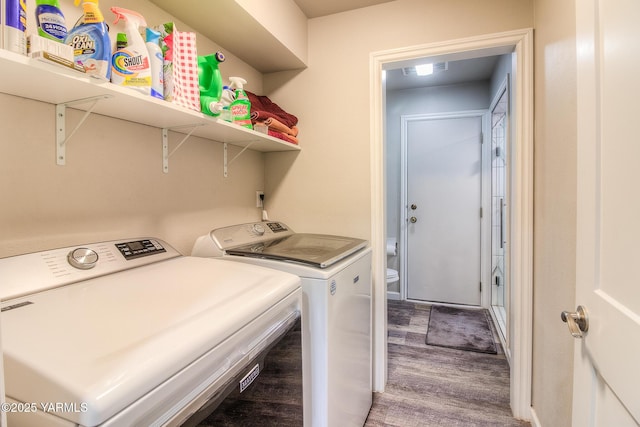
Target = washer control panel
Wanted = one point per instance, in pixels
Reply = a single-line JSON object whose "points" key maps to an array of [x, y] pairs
{"points": [[139, 248], [38, 271], [250, 233]]}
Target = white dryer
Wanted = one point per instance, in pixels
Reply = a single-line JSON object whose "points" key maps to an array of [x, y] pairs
{"points": [[131, 333], [337, 311]]}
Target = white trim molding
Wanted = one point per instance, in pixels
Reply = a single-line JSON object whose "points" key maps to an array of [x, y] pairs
{"points": [[521, 233]]}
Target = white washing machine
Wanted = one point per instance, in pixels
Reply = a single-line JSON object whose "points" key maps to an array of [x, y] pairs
{"points": [[131, 333], [336, 286]]}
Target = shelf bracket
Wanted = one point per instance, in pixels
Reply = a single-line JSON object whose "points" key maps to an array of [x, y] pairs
{"points": [[165, 144], [61, 132], [228, 162]]}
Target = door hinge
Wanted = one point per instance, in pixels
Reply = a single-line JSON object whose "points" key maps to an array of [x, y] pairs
{"points": [[480, 212], [482, 138], [480, 287]]}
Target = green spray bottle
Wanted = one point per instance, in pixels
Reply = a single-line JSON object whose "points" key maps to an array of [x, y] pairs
{"points": [[210, 81], [241, 106]]}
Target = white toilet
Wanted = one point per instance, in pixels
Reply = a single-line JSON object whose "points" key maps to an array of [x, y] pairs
{"points": [[392, 277], [393, 290]]}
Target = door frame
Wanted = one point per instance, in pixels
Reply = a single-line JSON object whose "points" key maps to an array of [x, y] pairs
{"points": [[485, 224], [521, 217]]}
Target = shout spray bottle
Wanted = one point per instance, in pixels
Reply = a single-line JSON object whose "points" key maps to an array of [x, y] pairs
{"points": [[130, 66]]}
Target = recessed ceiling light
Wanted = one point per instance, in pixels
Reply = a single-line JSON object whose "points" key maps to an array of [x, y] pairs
{"points": [[437, 67], [424, 69]]}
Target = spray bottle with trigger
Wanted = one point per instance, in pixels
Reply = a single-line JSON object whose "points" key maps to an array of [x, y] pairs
{"points": [[130, 66], [241, 106]]}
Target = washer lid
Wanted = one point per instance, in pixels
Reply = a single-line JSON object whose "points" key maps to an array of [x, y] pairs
{"points": [[107, 341], [320, 250]]}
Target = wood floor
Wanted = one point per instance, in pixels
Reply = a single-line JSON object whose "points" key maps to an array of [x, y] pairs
{"points": [[434, 386]]}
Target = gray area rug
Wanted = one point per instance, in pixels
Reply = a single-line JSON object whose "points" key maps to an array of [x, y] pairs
{"points": [[462, 329]]}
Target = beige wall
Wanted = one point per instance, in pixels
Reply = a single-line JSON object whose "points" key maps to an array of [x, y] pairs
{"points": [[555, 209], [113, 185], [326, 187]]}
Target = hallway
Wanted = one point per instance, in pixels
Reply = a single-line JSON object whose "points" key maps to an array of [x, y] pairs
{"points": [[434, 386]]}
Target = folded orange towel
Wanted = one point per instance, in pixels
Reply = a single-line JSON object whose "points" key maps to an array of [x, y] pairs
{"points": [[276, 124], [284, 137]]}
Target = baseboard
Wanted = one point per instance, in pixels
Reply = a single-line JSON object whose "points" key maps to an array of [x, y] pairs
{"points": [[393, 295], [498, 333], [535, 422]]}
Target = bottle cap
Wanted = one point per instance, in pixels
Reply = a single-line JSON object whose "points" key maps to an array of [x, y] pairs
{"points": [[121, 41]]}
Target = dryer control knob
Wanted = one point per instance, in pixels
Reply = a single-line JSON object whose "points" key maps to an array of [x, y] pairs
{"points": [[83, 258], [258, 229]]}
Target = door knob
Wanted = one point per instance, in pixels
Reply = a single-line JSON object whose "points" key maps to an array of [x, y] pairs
{"points": [[413, 219], [578, 321], [414, 207]]}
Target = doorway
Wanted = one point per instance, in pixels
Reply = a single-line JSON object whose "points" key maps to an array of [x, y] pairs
{"points": [[442, 188], [521, 214]]}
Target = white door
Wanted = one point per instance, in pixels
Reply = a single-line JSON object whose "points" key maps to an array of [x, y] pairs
{"points": [[444, 171], [607, 371]]}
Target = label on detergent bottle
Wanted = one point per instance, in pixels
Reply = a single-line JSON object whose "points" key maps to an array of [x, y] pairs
{"points": [[51, 23], [240, 114], [83, 44], [92, 17], [128, 65], [87, 52]]}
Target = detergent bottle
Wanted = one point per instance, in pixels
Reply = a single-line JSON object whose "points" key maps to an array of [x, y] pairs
{"points": [[90, 41], [13, 21], [241, 106], [223, 106], [227, 96], [130, 66], [50, 20], [156, 61], [210, 81]]}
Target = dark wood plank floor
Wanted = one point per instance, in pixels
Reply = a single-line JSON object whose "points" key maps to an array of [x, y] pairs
{"points": [[434, 386]]}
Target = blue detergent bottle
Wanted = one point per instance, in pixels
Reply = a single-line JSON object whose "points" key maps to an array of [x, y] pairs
{"points": [[90, 41], [50, 20], [210, 81]]}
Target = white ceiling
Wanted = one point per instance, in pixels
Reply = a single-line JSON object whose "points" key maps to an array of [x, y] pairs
{"points": [[315, 8]]}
